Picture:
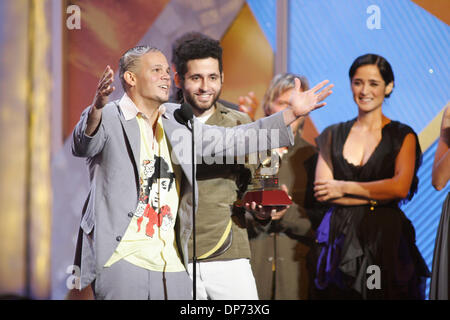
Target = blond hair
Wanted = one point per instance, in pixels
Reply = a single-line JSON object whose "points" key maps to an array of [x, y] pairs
{"points": [[279, 84]]}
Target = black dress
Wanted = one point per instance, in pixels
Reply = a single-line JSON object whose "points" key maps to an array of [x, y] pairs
{"points": [[369, 252]]}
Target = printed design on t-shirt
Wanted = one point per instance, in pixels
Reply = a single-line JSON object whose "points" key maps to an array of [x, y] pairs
{"points": [[156, 182]]}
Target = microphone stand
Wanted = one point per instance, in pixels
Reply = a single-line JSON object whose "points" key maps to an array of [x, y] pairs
{"points": [[194, 254], [184, 115]]}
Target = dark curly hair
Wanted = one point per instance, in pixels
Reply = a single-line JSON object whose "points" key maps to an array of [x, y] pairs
{"points": [[191, 46]]}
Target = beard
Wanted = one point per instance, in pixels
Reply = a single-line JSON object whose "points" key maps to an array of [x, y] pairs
{"points": [[202, 108]]}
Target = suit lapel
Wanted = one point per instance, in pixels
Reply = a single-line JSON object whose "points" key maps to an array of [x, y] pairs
{"points": [[170, 126], [132, 133]]}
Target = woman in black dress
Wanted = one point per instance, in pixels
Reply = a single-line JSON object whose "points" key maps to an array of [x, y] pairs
{"points": [[366, 167]]}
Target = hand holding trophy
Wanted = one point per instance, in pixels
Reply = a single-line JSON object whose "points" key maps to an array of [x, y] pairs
{"points": [[264, 197]]}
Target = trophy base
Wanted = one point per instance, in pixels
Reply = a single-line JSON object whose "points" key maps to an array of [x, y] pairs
{"points": [[271, 198]]}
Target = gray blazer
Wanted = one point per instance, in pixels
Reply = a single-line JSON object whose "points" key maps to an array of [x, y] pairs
{"points": [[113, 159]]}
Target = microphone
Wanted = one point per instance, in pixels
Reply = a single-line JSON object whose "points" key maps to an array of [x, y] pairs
{"points": [[184, 114]]}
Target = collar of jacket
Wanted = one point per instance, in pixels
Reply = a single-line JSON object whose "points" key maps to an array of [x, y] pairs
{"points": [[218, 116]]}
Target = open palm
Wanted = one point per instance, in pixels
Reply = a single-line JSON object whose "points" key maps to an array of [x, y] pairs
{"points": [[302, 103]]}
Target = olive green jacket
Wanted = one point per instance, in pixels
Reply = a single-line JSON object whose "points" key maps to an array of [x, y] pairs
{"points": [[217, 236]]}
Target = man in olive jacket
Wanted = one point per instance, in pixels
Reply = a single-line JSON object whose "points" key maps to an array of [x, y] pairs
{"points": [[222, 246]]}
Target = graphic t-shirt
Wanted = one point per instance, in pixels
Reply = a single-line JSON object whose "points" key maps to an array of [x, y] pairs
{"points": [[149, 241]]}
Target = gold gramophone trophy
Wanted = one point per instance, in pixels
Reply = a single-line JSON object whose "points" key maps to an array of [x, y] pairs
{"points": [[264, 189]]}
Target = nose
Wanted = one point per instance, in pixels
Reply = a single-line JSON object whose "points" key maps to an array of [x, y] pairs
{"points": [[364, 89], [166, 75], [204, 85]]}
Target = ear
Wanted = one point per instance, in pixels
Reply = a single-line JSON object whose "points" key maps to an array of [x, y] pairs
{"points": [[129, 78], [177, 80], [223, 77], [388, 89]]}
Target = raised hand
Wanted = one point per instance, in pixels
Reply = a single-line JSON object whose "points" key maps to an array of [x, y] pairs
{"points": [[248, 104], [302, 103], [445, 127], [104, 88], [441, 163]]}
